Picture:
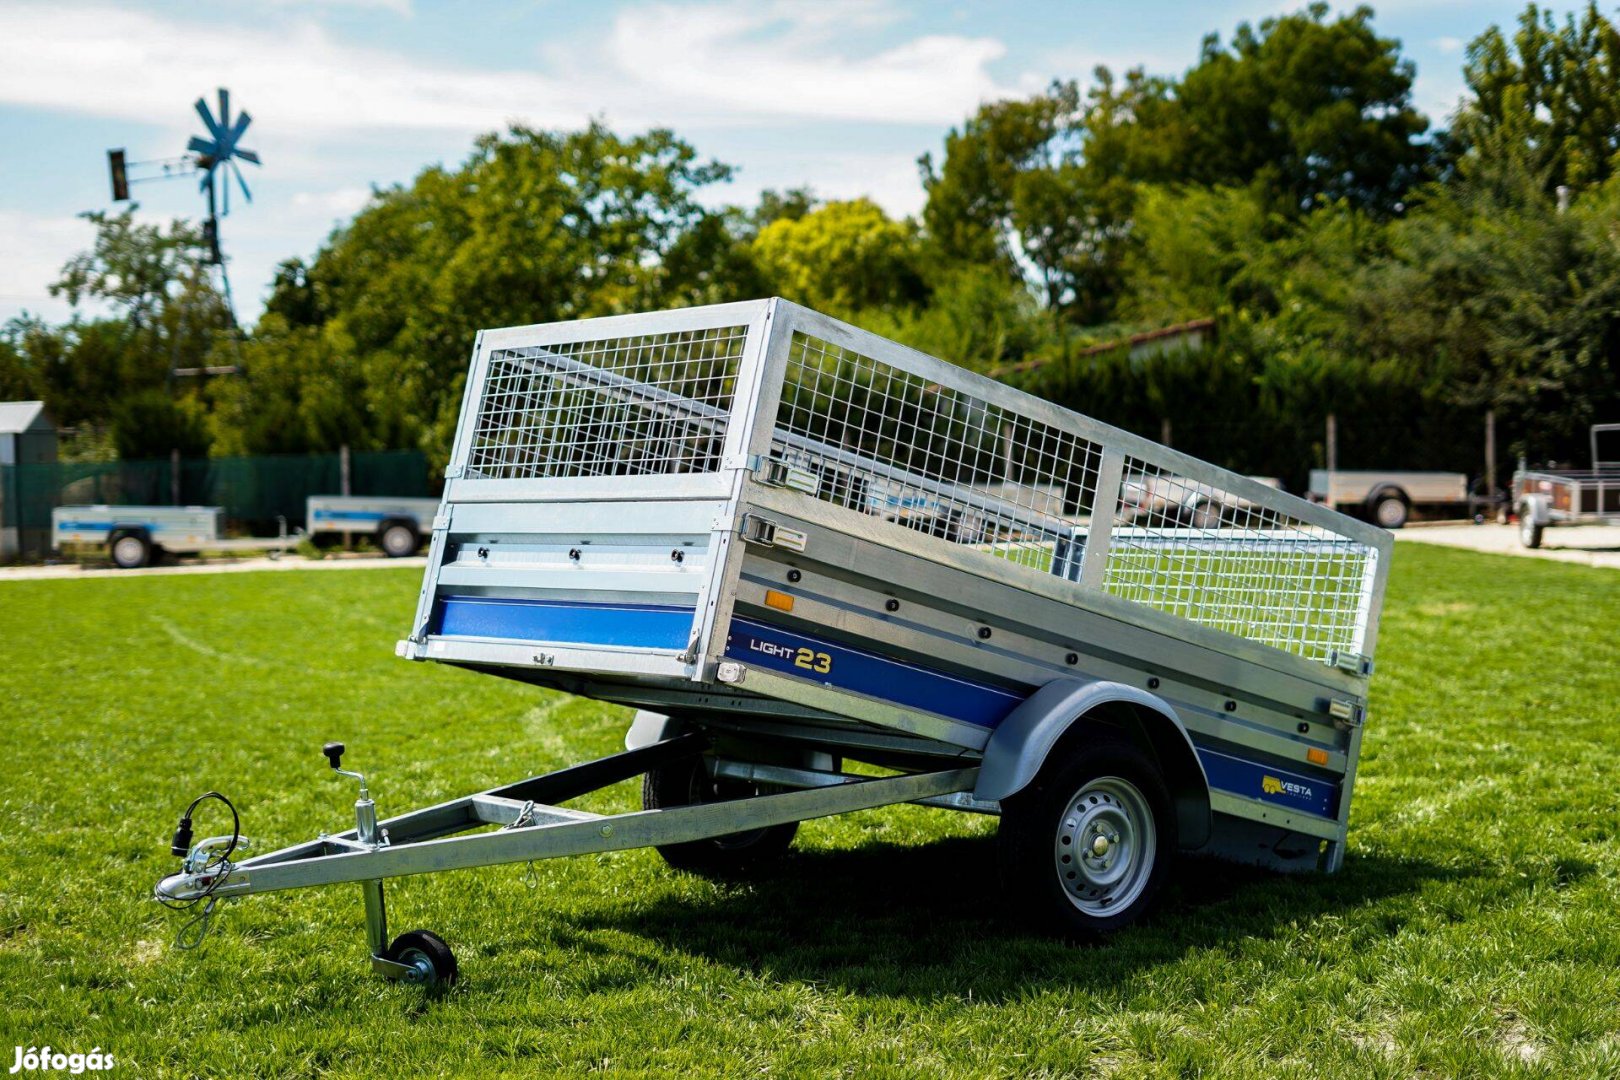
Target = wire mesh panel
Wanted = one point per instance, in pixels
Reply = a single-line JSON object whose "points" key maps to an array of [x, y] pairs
{"points": [[620, 406], [1227, 562], [891, 444]]}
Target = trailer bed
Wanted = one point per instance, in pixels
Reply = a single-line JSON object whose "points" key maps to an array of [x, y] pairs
{"points": [[755, 518]]}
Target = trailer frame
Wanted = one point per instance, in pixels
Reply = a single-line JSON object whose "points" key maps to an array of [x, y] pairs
{"points": [[790, 542]]}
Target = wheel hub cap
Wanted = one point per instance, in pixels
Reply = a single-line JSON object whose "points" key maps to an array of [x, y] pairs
{"points": [[1105, 846]]}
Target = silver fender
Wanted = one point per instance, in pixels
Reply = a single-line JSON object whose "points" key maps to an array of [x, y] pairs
{"points": [[1537, 507], [1020, 744]]}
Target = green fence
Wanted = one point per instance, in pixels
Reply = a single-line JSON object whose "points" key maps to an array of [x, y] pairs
{"points": [[254, 491]]}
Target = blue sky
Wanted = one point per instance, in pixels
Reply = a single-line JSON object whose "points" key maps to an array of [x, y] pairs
{"points": [[346, 94]]}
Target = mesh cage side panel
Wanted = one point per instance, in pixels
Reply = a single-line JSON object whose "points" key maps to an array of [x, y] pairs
{"points": [[890, 444], [625, 406], [1204, 554]]}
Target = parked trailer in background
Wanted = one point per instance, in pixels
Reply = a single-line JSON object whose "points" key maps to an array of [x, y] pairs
{"points": [[133, 535], [1571, 496], [793, 544], [1388, 498], [397, 526]]}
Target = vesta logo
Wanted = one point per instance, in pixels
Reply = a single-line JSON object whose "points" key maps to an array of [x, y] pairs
{"points": [[1272, 785]]}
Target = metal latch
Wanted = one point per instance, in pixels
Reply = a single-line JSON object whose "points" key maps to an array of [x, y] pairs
{"points": [[1354, 663], [767, 533], [1345, 710], [780, 474]]}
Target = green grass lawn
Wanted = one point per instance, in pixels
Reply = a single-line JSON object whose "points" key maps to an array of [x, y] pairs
{"points": [[1473, 931]]}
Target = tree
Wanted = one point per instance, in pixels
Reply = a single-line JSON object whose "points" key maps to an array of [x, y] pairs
{"points": [[1314, 111], [535, 226], [1549, 97], [841, 258]]}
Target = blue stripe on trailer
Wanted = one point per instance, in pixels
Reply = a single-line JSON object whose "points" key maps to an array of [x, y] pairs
{"points": [[356, 515], [109, 526], [1290, 790], [633, 626], [868, 673]]}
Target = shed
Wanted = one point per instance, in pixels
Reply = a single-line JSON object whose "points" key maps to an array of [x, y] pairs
{"points": [[27, 437]]}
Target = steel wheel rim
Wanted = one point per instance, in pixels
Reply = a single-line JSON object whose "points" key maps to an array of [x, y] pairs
{"points": [[1390, 513], [1105, 846], [396, 541], [422, 962], [127, 550], [1527, 528]]}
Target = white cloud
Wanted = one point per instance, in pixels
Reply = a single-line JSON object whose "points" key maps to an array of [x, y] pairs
{"points": [[32, 251], [1448, 44], [127, 64], [398, 7], [340, 202], [722, 61], [781, 60]]}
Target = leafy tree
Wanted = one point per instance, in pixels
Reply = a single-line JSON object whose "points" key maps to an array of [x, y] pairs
{"points": [[1549, 96], [1314, 111], [535, 226], [841, 258]]}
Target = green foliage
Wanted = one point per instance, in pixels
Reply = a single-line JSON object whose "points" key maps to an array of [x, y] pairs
{"points": [[150, 423], [840, 258], [1549, 98], [535, 226], [975, 316], [1282, 184], [1312, 110]]}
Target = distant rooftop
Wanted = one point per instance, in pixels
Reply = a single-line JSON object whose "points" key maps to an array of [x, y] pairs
{"points": [[19, 416]]}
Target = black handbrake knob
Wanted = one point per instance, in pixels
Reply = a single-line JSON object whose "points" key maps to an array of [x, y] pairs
{"points": [[334, 754]]}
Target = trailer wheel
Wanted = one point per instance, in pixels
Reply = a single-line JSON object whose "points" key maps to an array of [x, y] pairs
{"points": [[398, 539], [1086, 848], [1390, 508], [688, 783], [428, 954], [1529, 531], [130, 550]]}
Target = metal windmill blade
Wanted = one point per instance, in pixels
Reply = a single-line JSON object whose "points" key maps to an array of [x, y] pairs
{"points": [[222, 149]]}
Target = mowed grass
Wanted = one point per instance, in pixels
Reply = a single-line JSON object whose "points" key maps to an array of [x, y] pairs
{"points": [[1473, 931]]}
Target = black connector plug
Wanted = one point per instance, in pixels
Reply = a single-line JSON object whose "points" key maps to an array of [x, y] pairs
{"points": [[181, 844]]}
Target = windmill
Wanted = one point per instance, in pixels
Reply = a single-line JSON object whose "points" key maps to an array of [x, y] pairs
{"points": [[217, 157]]}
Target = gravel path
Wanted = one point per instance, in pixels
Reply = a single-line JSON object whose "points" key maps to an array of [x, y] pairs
{"points": [[1592, 545]]}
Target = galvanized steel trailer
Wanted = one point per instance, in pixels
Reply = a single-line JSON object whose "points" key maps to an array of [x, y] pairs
{"points": [[134, 535], [396, 524], [1547, 497], [792, 544]]}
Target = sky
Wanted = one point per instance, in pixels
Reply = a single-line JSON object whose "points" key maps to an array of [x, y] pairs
{"points": [[351, 95]]}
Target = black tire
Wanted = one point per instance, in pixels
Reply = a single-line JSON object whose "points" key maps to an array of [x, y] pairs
{"points": [[397, 539], [1107, 796], [1389, 508], [130, 550], [426, 950], [1529, 531], [687, 783]]}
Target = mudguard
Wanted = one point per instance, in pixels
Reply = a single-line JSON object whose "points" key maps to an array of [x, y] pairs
{"points": [[1020, 744]]}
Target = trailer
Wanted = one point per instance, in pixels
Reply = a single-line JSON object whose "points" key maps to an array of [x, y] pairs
{"points": [[396, 525], [793, 545], [1548, 497], [134, 535], [1388, 498]]}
